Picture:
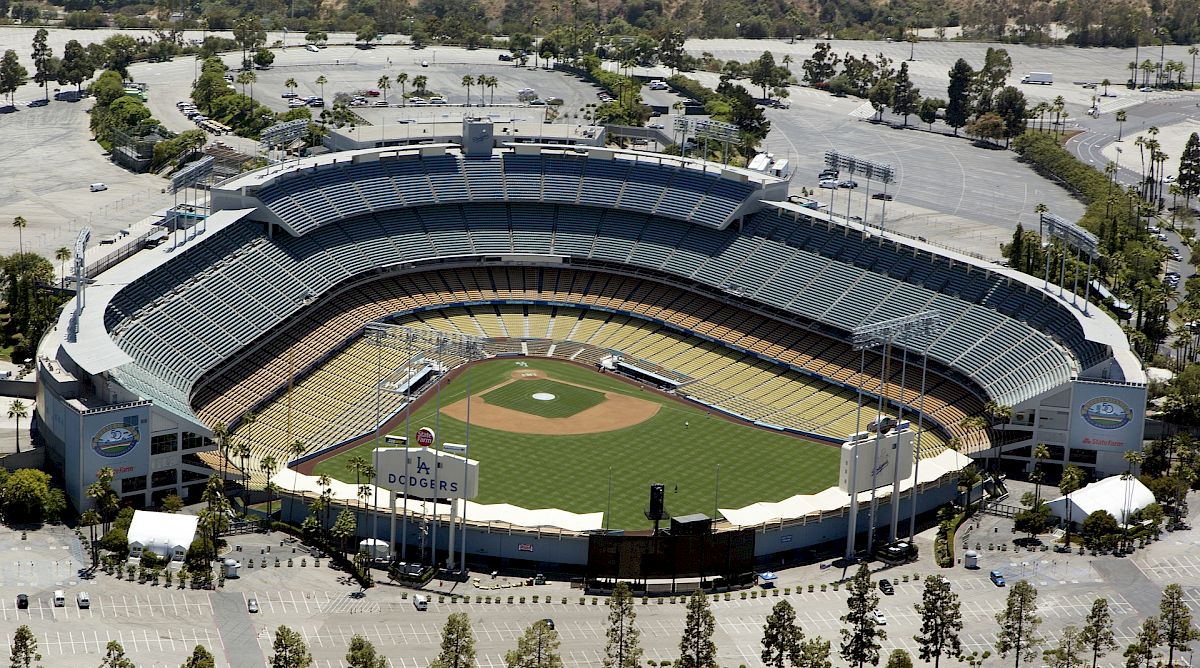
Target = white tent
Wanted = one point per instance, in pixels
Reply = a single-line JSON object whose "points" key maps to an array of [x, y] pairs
{"points": [[1116, 495], [166, 534]]}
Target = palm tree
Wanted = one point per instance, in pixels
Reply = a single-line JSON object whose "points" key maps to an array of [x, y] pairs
{"points": [[247, 78], [490, 82], [269, 466], [467, 82], [17, 410], [968, 478], [1060, 106], [384, 84], [291, 84], [62, 255], [1072, 480], [221, 436], [419, 82], [536, 22], [1106, 83], [1040, 454], [1120, 123], [90, 518], [998, 413], [1134, 460], [321, 81], [787, 62], [243, 449], [297, 448], [103, 495], [1192, 51], [19, 223], [326, 485], [402, 79]]}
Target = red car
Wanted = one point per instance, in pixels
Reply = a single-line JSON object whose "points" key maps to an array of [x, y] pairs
{"points": [[372, 93]]}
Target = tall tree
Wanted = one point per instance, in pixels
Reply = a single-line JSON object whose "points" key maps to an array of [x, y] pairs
{"points": [[76, 66], [696, 646], [1189, 168], [1096, 635], [1066, 653], [538, 647], [114, 656], [1019, 623], [103, 495], [899, 658], [958, 95], [782, 638], [1175, 622], [12, 74], [290, 650], [1144, 649], [199, 658], [624, 648], [362, 654], [860, 632], [1011, 106], [905, 96], [43, 71], [20, 223], [24, 648], [458, 643], [941, 622]]}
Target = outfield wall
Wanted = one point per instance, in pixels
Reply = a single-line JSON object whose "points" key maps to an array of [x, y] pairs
{"points": [[552, 550]]}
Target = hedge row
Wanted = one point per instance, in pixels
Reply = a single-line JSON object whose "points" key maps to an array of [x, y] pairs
{"points": [[691, 88]]}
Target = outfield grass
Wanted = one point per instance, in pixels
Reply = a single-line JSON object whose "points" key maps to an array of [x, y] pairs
{"points": [[572, 472], [568, 399]]}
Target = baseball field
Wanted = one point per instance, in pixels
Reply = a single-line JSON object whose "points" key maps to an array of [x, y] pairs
{"points": [[551, 434]]}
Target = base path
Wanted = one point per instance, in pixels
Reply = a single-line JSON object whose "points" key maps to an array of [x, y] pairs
{"points": [[617, 411]]}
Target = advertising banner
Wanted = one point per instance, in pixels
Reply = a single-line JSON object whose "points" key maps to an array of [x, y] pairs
{"points": [[1107, 416], [119, 439], [427, 473]]}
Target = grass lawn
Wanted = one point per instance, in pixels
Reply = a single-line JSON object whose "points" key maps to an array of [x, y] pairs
{"points": [[568, 399], [572, 472]]}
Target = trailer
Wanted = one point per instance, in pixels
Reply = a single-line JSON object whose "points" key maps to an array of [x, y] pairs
{"points": [[1044, 78]]}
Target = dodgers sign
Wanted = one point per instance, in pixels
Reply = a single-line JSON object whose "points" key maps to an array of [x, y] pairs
{"points": [[427, 473]]}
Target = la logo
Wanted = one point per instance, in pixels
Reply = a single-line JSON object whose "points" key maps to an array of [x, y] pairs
{"points": [[422, 467]]}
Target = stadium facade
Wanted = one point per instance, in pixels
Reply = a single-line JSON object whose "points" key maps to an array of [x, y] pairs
{"points": [[295, 260]]}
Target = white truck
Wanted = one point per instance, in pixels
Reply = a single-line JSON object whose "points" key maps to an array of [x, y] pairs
{"points": [[1044, 78]]}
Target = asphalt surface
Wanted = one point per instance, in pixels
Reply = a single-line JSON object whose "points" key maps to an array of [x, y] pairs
{"points": [[159, 625]]}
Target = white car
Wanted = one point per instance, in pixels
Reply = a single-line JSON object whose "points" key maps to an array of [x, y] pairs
{"points": [[311, 47], [417, 101], [438, 100], [880, 618], [97, 187], [829, 183]]}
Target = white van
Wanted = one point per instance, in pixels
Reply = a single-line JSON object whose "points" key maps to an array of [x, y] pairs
{"points": [[60, 599], [420, 602], [82, 600], [97, 187]]}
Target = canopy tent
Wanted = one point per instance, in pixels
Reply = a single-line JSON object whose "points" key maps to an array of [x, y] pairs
{"points": [[169, 535], [1117, 495]]}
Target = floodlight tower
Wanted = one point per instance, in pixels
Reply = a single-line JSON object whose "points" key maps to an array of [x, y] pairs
{"points": [[835, 159], [886, 333], [1076, 238]]}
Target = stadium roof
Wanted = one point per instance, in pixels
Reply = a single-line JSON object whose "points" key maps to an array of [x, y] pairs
{"points": [[832, 499], [1115, 495]]}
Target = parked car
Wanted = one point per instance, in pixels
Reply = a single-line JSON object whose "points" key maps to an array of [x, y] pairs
{"points": [[848, 183], [506, 57], [381, 103], [883, 196], [372, 93], [417, 101], [292, 104], [95, 187], [22, 601], [656, 126], [311, 47], [549, 623], [829, 183], [287, 95], [252, 604], [424, 63], [880, 618], [885, 586], [997, 578], [437, 99]]}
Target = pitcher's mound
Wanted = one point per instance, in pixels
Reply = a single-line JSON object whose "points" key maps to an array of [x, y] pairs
{"points": [[543, 396]]}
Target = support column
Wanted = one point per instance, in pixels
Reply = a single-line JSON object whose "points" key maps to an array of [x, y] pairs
{"points": [[450, 532], [392, 523]]}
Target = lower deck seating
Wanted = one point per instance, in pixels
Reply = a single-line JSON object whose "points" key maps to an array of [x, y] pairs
{"points": [[758, 367]]}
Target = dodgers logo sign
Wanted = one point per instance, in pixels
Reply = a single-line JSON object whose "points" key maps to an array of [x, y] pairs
{"points": [[114, 440], [1106, 413]]}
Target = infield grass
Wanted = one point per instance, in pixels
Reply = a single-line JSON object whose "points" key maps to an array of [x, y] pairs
{"points": [[573, 472], [568, 399]]}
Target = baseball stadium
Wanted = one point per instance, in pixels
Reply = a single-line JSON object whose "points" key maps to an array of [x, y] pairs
{"points": [[580, 323]]}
